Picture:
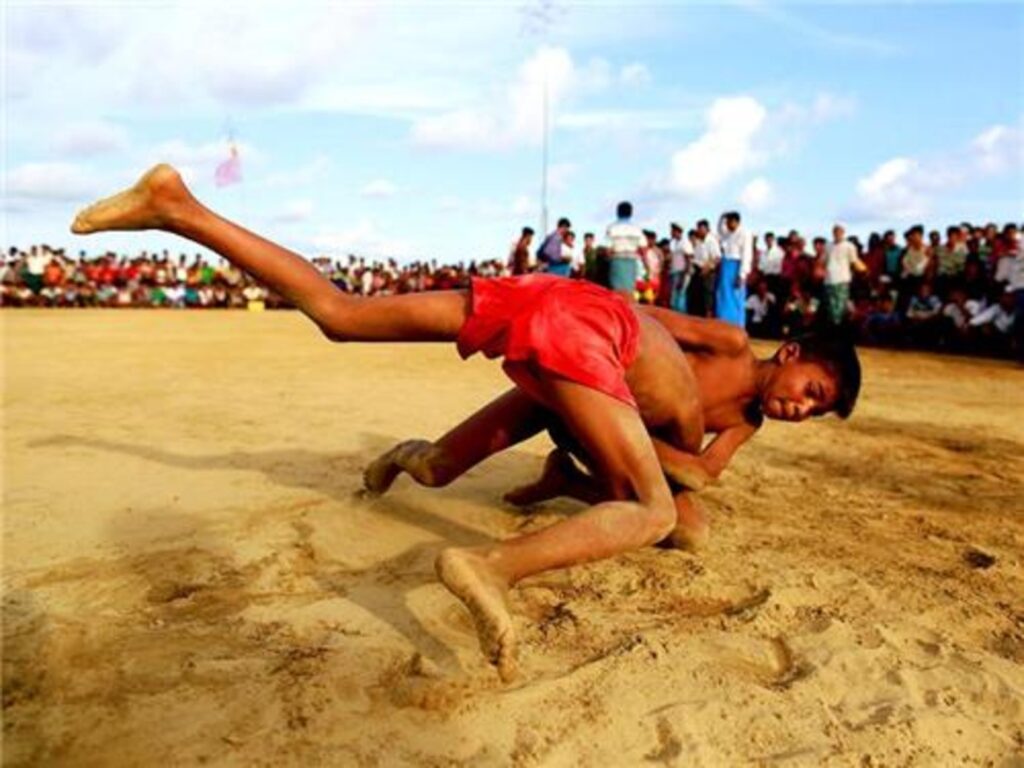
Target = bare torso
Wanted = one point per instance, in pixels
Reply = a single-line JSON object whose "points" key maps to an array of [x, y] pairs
{"points": [[666, 381]]}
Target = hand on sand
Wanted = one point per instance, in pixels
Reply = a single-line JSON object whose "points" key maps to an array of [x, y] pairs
{"points": [[471, 579]]}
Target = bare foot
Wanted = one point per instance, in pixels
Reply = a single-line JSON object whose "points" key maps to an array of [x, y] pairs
{"points": [[468, 576], [378, 477], [147, 205], [555, 477], [692, 529]]}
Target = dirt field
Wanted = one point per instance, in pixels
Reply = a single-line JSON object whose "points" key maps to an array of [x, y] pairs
{"points": [[188, 577]]}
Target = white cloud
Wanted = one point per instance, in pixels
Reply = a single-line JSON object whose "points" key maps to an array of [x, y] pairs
{"points": [[523, 205], [364, 239], [378, 189], [294, 211], [515, 116], [905, 187], [309, 172], [50, 181], [725, 149], [635, 75], [757, 195], [86, 139]]}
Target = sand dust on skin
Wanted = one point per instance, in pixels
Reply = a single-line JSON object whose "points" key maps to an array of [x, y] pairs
{"points": [[190, 578]]}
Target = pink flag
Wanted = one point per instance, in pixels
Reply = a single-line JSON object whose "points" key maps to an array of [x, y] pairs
{"points": [[230, 171]]}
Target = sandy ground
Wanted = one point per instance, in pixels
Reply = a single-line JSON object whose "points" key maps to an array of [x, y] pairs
{"points": [[188, 577]]}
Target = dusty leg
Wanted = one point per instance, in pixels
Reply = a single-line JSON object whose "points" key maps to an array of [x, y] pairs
{"points": [[505, 421], [160, 200], [692, 529], [615, 436]]}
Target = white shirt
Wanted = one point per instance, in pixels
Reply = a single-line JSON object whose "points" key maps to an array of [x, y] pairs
{"points": [[999, 317], [1005, 268], [706, 252], [681, 253], [624, 240], [737, 245], [771, 260], [759, 307], [36, 264], [1017, 273], [957, 314], [839, 258]]}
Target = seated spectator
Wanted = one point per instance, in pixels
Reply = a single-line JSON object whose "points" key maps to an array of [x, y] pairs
{"points": [[883, 325], [799, 313], [761, 314], [956, 319], [923, 315], [993, 326]]}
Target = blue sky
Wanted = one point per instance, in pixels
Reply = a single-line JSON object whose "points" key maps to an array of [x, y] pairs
{"points": [[415, 129]]}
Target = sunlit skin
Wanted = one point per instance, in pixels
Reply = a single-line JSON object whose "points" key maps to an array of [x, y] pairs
{"points": [[613, 432], [736, 391], [633, 448]]}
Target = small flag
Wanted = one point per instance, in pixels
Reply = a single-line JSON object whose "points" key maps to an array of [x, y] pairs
{"points": [[230, 171]]}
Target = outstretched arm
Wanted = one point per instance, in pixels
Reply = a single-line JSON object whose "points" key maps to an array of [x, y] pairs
{"points": [[696, 471], [698, 333]]}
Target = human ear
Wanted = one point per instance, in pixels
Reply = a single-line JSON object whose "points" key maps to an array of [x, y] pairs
{"points": [[788, 351]]}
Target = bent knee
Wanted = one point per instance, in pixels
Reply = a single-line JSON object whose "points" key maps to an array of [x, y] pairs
{"points": [[659, 520]]}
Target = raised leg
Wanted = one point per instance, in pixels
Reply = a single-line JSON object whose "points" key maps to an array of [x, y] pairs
{"points": [[160, 200], [505, 421], [613, 434]]}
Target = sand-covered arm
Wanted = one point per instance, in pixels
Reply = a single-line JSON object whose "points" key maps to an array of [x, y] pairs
{"points": [[699, 333], [695, 472]]}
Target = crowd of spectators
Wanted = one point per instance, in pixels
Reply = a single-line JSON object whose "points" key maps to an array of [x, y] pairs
{"points": [[961, 291]]}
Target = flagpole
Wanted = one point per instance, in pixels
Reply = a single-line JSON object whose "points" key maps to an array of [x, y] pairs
{"points": [[544, 163]]}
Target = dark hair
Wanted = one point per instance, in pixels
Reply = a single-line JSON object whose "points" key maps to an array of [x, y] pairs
{"points": [[587, 234], [563, 222], [624, 210], [527, 231], [703, 223], [835, 350], [733, 216]]}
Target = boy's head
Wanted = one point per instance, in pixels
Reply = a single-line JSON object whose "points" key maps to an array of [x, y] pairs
{"points": [[624, 210], [732, 220], [814, 374]]}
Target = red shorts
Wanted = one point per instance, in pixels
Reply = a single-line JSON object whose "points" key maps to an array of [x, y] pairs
{"points": [[571, 328]]}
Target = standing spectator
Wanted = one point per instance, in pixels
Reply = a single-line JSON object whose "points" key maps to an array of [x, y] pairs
{"points": [[570, 255], [520, 257], [706, 256], [769, 263], [35, 265], [916, 262], [680, 263], [949, 259], [549, 255], [650, 258], [625, 240], [591, 266], [840, 258], [893, 254], [737, 259]]}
